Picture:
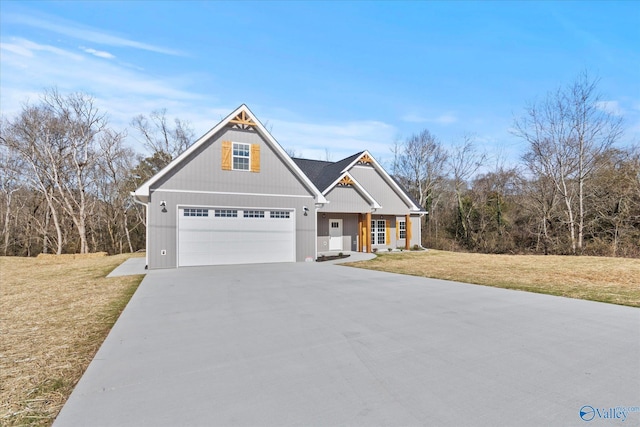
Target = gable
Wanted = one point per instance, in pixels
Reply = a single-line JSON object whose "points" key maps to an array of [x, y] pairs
{"points": [[373, 181], [345, 199], [187, 173], [210, 168]]}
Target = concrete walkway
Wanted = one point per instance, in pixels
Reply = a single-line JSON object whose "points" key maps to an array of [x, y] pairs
{"points": [[326, 345], [130, 267]]}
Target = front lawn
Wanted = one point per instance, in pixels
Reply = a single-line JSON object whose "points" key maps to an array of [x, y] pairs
{"points": [[612, 280], [55, 312]]}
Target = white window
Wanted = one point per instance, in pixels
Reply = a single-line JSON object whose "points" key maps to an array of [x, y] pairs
{"points": [[402, 226], [279, 214], [241, 156], [226, 213], [196, 212], [378, 232], [254, 214]]}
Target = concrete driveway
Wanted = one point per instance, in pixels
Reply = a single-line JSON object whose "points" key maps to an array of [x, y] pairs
{"points": [[328, 345]]}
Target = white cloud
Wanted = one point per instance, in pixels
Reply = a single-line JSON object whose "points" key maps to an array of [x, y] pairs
{"points": [[123, 91], [75, 30], [28, 68], [98, 53], [27, 48], [611, 107]]}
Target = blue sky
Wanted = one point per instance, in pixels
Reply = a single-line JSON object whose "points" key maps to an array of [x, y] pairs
{"points": [[326, 77]]}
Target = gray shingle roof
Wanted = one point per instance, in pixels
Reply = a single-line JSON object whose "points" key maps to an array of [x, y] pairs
{"points": [[323, 173]]}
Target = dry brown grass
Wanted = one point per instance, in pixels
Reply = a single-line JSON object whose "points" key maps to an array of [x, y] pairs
{"points": [[55, 312], [613, 280]]}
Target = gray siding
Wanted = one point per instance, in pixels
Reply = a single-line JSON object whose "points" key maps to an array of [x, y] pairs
{"points": [[374, 183], [349, 231], [416, 230], [202, 171], [200, 181], [164, 231], [345, 199]]}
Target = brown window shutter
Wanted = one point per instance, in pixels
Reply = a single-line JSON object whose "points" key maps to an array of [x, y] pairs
{"points": [[226, 155], [255, 158], [387, 232], [397, 230]]}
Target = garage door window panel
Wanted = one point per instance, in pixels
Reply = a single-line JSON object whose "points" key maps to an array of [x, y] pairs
{"points": [[196, 212], [279, 214], [226, 213], [253, 214]]}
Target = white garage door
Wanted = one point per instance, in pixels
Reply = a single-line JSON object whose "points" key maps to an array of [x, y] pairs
{"points": [[212, 236]]}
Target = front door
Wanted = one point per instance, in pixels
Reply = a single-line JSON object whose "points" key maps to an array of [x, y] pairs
{"points": [[335, 234]]}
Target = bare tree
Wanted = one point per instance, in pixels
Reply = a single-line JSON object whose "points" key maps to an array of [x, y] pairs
{"points": [[59, 140], [567, 132], [33, 138], [464, 161], [420, 161], [158, 136]]}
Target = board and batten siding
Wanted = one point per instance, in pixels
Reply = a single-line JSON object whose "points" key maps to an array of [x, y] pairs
{"points": [[163, 226], [203, 171], [380, 190], [200, 181], [349, 231], [345, 199]]}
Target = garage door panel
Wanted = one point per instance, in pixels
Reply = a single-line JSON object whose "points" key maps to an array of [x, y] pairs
{"points": [[214, 240]]}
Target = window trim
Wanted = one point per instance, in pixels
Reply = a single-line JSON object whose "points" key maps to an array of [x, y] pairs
{"points": [[245, 148], [402, 229], [377, 232]]}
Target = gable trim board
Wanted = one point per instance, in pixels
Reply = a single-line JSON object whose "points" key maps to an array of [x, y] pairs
{"points": [[203, 178]]}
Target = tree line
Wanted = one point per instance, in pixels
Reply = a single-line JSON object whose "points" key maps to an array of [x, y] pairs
{"points": [[573, 192], [66, 177]]}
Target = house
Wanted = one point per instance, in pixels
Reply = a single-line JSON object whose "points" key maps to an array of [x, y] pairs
{"points": [[236, 197]]}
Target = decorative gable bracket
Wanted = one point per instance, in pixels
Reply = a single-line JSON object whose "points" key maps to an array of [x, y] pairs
{"points": [[365, 160], [242, 121], [346, 181]]}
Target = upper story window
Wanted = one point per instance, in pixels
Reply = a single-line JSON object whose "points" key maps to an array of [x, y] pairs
{"points": [[241, 156]]}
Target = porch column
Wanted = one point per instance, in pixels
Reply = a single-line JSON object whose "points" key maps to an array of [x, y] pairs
{"points": [[407, 231], [367, 231]]}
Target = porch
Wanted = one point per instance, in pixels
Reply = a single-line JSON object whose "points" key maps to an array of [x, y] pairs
{"points": [[362, 232]]}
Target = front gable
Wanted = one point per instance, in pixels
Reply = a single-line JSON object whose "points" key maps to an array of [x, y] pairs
{"points": [[347, 195], [208, 165], [216, 167]]}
